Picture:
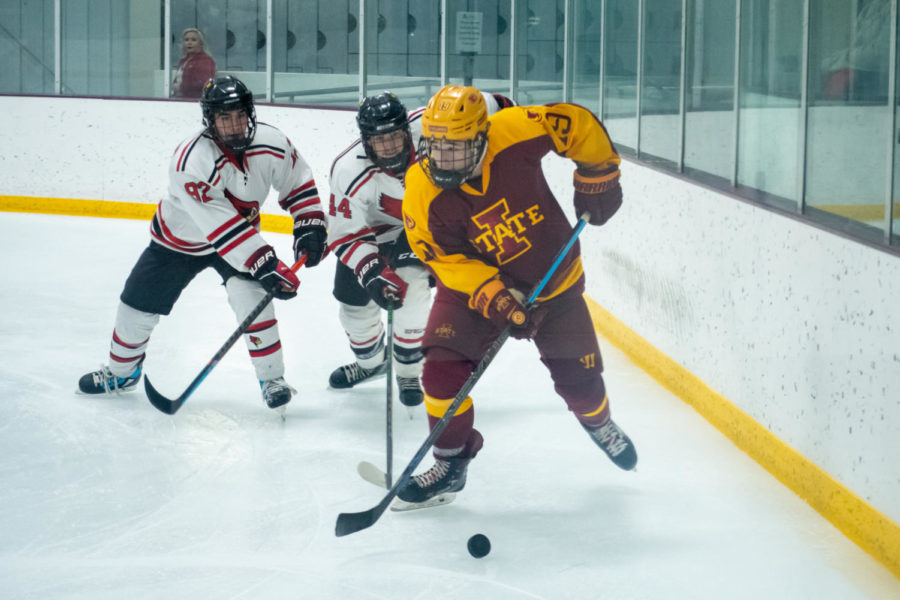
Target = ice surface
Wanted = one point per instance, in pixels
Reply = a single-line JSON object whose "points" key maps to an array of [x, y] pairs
{"points": [[105, 497]]}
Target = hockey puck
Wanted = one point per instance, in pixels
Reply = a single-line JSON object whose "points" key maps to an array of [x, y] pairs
{"points": [[479, 545]]}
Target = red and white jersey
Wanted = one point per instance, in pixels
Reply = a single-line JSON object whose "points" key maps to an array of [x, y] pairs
{"points": [[214, 201], [365, 205]]}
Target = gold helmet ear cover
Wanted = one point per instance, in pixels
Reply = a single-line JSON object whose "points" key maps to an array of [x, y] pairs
{"points": [[456, 114]]}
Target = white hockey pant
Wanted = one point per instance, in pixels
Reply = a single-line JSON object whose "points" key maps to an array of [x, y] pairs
{"points": [[364, 326], [261, 337], [130, 338]]}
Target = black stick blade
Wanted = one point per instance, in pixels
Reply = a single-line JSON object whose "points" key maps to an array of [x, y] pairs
{"points": [[348, 523], [170, 407]]}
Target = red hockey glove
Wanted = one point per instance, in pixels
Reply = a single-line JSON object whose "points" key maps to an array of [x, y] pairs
{"points": [[309, 239], [598, 193], [273, 274], [503, 306], [383, 285]]}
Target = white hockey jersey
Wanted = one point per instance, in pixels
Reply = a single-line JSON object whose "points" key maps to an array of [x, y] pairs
{"points": [[364, 209], [214, 202]]}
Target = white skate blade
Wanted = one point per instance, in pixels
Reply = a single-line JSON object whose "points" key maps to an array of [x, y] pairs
{"points": [[402, 506]]}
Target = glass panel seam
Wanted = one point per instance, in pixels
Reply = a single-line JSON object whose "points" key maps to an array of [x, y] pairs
{"points": [[804, 110], [57, 47], [513, 80], [682, 100], [640, 76], [270, 71], [892, 129], [736, 101], [602, 72]]}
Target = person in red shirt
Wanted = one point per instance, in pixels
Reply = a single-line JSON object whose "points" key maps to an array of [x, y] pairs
{"points": [[195, 68]]}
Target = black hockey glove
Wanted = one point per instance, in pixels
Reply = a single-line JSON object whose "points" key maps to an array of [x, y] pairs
{"points": [[309, 238], [598, 193], [383, 285], [273, 274]]}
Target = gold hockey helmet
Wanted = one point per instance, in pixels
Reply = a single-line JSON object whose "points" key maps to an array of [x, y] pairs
{"points": [[454, 135]]}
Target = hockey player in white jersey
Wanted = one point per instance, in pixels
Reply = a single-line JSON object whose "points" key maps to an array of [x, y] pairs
{"points": [[376, 267], [218, 181]]}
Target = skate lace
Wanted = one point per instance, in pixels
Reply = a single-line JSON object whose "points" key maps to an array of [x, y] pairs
{"points": [[430, 477], [611, 436], [354, 372], [105, 379], [408, 383]]}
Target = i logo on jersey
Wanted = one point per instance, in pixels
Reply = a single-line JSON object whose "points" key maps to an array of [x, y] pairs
{"points": [[504, 232]]}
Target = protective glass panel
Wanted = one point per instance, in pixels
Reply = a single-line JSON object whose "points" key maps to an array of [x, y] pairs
{"points": [[770, 116], [26, 47], [586, 54], [848, 111], [234, 43], [540, 33], [661, 87], [709, 101], [315, 52], [403, 49], [110, 48], [620, 72]]}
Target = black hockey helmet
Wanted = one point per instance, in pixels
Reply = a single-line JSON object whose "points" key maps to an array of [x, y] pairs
{"points": [[225, 94], [380, 114]]}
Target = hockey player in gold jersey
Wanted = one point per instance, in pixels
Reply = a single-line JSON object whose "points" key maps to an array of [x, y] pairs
{"points": [[480, 214]]}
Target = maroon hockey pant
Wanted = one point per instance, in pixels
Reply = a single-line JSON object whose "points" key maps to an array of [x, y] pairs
{"points": [[457, 337]]}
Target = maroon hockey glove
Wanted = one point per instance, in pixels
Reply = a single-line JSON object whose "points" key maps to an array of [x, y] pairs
{"points": [[309, 239], [383, 285], [273, 274], [598, 193], [503, 306]]}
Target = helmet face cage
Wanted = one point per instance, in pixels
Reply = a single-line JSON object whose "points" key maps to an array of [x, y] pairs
{"points": [[465, 158], [226, 94], [378, 115]]}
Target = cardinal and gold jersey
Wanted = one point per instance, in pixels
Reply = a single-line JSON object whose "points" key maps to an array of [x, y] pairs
{"points": [[507, 222]]}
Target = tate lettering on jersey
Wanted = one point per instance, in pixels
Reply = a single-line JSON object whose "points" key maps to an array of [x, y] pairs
{"points": [[505, 234]]}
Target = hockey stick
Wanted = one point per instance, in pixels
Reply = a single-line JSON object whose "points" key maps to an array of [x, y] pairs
{"points": [[348, 523], [170, 407], [389, 410]]}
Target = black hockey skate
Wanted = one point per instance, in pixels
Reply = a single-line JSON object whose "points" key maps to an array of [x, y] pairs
{"points": [[410, 391], [437, 485], [104, 382], [349, 375], [276, 392], [615, 443]]}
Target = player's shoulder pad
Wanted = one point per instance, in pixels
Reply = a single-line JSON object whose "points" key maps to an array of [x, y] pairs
{"points": [[348, 166], [417, 199], [558, 120], [195, 157], [270, 135], [513, 125]]}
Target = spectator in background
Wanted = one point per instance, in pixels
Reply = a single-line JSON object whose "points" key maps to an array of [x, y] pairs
{"points": [[860, 71], [195, 66]]}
